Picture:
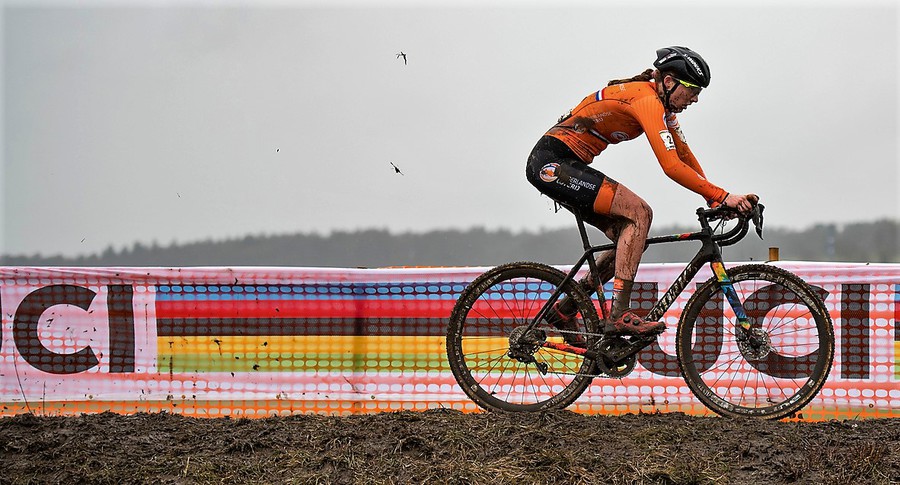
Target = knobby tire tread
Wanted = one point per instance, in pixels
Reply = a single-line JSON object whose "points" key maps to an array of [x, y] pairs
{"points": [[470, 295], [772, 274]]}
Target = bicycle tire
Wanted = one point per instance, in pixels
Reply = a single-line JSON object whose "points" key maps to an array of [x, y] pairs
{"points": [[734, 379], [488, 310]]}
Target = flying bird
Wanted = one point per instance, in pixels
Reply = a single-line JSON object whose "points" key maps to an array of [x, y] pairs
{"points": [[396, 170], [401, 54]]}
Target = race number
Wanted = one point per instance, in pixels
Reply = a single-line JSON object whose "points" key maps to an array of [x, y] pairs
{"points": [[667, 139]]}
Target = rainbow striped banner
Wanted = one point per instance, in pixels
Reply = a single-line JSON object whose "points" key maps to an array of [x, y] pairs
{"points": [[263, 341]]}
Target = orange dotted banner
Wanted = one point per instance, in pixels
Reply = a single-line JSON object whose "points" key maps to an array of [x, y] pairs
{"points": [[257, 342]]}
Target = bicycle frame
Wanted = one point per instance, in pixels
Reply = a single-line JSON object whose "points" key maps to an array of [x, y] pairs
{"points": [[710, 252], [766, 362]]}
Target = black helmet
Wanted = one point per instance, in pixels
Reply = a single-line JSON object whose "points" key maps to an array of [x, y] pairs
{"points": [[684, 64]]}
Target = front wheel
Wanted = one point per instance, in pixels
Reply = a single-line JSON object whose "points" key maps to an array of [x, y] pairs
{"points": [[493, 312], [779, 367]]}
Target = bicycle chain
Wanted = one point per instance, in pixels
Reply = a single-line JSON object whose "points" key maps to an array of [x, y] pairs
{"points": [[599, 339]]}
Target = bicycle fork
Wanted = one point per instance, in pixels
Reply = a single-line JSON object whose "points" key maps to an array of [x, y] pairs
{"points": [[731, 295]]}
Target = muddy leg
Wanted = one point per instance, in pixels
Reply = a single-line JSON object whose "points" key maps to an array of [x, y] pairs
{"points": [[634, 218]]}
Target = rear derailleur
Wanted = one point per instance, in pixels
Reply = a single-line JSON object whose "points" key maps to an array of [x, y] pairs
{"points": [[523, 345]]}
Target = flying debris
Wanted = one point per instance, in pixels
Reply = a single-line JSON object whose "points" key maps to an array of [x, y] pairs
{"points": [[396, 170], [401, 54]]}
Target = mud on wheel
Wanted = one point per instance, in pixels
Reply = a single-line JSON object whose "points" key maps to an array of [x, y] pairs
{"points": [[527, 376], [783, 364]]}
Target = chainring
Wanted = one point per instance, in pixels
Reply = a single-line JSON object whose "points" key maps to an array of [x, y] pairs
{"points": [[617, 370]]}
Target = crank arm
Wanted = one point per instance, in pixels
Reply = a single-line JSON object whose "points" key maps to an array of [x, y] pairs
{"points": [[631, 349]]}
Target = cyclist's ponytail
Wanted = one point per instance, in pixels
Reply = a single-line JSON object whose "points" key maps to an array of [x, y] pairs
{"points": [[644, 76]]}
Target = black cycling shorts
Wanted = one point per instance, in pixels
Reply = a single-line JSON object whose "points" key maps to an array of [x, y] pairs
{"points": [[559, 174]]}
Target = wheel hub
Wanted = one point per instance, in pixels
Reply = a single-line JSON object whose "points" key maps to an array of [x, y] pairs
{"points": [[523, 344], [756, 346]]}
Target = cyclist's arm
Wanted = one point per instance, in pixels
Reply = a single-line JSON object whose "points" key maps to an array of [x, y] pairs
{"points": [[681, 146], [650, 114]]}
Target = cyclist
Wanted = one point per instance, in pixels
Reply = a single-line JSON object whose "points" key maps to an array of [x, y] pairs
{"points": [[625, 109]]}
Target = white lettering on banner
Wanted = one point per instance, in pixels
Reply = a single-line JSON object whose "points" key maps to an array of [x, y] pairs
{"points": [[667, 139], [147, 342]]}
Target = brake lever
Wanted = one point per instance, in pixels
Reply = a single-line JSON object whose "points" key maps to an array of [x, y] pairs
{"points": [[757, 216]]}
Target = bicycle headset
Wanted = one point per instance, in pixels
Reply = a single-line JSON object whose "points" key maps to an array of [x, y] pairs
{"points": [[684, 65]]}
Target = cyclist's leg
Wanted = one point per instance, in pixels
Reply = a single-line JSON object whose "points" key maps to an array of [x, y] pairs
{"points": [[633, 217], [606, 268]]}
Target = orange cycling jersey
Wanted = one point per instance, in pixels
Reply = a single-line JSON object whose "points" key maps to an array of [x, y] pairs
{"points": [[623, 112]]}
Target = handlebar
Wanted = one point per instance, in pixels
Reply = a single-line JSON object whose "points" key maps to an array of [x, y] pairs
{"points": [[738, 232]]}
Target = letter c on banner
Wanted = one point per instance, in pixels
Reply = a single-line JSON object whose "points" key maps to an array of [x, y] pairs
{"points": [[25, 329]]}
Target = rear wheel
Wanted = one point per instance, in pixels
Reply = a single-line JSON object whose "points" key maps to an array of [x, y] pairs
{"points": [[498, 305], [780, 367]]}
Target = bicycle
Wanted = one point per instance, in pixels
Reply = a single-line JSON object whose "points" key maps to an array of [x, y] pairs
{"points": [[769, 361]]}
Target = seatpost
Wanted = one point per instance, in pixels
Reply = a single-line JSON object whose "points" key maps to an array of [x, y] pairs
{"points": [[592, 265], [583, 231]]}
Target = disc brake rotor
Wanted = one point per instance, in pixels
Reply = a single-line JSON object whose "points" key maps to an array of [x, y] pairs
{"points": [[757, 346]]}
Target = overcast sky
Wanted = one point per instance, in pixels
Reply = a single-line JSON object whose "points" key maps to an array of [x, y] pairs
{"points": [[169, 121]]}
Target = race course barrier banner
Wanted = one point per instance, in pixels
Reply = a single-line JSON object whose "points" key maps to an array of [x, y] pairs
{"points": [[256, 342]]}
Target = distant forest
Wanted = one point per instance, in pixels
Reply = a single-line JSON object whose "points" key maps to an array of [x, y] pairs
{"points": [[875, 242]]}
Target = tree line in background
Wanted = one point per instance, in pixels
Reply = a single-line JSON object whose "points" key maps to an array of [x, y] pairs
{"points": [[875, 242]]}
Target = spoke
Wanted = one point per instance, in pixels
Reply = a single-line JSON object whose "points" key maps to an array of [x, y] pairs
{"points": [[506, 302], [513, 382], [534, 387], [499, 357], [784, 320], [727, 364], [497, 361], [755, 388], [795, 331], [770, 398], [490, 351], [556, 355], [537, 295]]}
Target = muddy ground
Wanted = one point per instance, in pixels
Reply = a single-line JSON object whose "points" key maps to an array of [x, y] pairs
{"points": [[441, 446]]}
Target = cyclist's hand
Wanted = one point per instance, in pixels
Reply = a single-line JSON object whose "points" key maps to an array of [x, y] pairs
{"points": [[743, 203]]}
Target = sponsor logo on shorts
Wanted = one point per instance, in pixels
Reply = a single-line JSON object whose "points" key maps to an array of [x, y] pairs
{"points": [[620, 135], [576, 184], [548, 172]]}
